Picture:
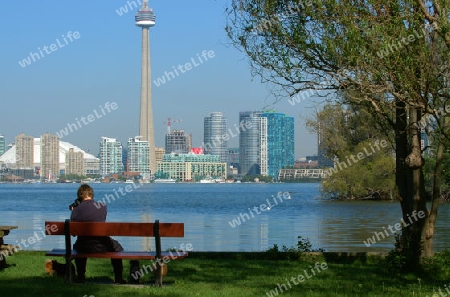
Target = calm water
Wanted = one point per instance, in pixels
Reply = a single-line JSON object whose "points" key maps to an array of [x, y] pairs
{"points": [[207, 209]]}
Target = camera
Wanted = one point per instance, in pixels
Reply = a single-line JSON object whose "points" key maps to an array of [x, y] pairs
{"points": [[75, 203]]}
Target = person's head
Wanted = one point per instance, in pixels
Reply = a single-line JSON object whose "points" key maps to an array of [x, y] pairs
{"points": [[85, 191]]}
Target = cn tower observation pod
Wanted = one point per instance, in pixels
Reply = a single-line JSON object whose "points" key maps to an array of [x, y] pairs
{"points": [[145, 17]]}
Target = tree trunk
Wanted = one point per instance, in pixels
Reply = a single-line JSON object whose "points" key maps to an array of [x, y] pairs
{"points": [[430, 223], [409, 180], [413, 190]]}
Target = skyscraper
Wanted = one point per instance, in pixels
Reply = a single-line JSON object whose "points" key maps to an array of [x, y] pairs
{"points": [[2, 145], [137, 159], [49, 156], [75, 162], [24, 151], [269, 145], [215, 136], [279, 135], [145, 18], [250, 143], [177, 141], [110, 156]]}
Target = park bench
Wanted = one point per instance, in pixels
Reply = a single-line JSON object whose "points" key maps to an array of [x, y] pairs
{"points": [[156, 230], [5, 249]]}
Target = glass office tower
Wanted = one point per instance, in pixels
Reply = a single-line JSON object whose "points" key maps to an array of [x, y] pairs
{"points": [[215, 140]]}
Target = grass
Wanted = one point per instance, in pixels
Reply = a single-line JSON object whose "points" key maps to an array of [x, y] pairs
{"points": [[229, 274]]}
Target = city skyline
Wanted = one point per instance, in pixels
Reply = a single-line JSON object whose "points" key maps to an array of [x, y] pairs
{"points": [[70, 87]]}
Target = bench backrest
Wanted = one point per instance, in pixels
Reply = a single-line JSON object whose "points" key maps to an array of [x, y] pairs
{"points": [[115, 229]]}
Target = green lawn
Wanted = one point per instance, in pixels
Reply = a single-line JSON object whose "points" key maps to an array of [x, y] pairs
{"points": [[233, 274]]}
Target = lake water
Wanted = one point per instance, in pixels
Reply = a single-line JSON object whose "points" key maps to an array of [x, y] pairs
{"points": [[207, 211]]}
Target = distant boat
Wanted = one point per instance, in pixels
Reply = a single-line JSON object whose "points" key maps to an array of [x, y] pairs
{"points": [[165, 180], [208, 180], [129, 181]]}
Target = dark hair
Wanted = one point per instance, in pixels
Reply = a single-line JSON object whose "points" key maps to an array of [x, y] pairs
{"points": [[84, 191]]}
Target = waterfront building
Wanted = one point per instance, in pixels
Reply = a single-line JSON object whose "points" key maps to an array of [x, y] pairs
{"points": [[110, 156], [74, 163], [137, 159], [215, 138], [178, 142], [192, 167], [233, 157], [11, 158], [159, 153], [91, 164], [125, 156], [277, 143], [250, 143], [301, 174], [2, 145], [49, 156], [24, 152], [145, 18], [268, 146]]}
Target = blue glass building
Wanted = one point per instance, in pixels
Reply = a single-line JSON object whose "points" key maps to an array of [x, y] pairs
{"points": [[269, 145], [280, 142], [215, 139]]}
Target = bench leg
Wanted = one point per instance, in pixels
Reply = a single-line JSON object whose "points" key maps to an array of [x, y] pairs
{"points": [[134, 272], [158, 274], [69, 273]]}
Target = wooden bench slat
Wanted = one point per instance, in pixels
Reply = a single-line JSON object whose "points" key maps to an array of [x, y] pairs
{"points": [[118, 255], [115, 229]]}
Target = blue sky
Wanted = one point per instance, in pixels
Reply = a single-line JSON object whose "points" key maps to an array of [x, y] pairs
{"points": [[77, 78]]}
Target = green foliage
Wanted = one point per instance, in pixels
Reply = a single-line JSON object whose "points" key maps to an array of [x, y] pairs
{"points": [[387, 60], [428, 171], [292, 253], [439, 264], [305, 246], [261, 178], [364, 162], [72, 177], [403, 257]]}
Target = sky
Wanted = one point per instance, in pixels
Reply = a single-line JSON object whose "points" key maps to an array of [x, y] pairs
{"points": [[82, 72]]}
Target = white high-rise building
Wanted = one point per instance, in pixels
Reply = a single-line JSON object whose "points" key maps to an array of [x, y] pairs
{"points": [[137, 158], [110, 156]]}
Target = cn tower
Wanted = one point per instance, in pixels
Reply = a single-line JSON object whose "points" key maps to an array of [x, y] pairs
{"points": [[145, 18]]}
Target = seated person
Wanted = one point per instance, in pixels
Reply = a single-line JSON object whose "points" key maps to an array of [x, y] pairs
{"points": [[87, 211]]}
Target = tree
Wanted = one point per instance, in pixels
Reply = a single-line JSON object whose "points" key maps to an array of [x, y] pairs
{"points": [[72, 177], [257, 177], [389, 59], [361, 150]]}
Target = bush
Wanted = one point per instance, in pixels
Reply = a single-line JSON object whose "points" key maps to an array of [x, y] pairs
{"points": [[292, 253], [401, 258]]}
